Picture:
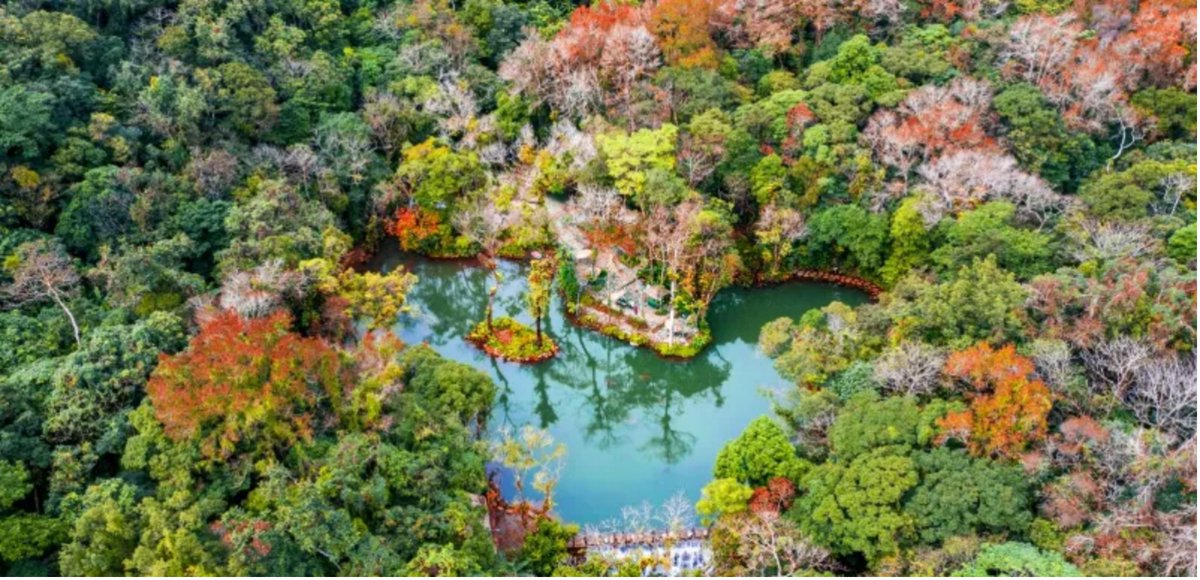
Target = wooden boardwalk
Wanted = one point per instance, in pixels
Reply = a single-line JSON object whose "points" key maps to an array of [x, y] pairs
{"points": [[584, 541]]}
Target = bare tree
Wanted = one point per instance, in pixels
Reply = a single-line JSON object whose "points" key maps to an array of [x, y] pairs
{"points": [[773, 545], [1163, 395], [481, 222], [630, 57], [778, 228], [638, 519], [1105, 241], [1116, 363], [44, 272], [214, 171], [1041, 45], [1177, 552], [1054, 363], [535, 459], [677, 513], [669, 236], [453, 104], [566, 140], [910, 368], [962, 179], [348, 149], [1175, 188], [261, 291], [389, 119], [597, 204]]}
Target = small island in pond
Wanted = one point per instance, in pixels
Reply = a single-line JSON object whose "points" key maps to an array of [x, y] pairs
{"points": [[512, 341]]}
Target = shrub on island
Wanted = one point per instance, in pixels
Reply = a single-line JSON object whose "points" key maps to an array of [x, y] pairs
{"points": [[512, 341]]}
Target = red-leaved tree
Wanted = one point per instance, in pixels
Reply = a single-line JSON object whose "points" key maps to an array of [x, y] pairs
{"points": [[1008, 404], [244, 383]]}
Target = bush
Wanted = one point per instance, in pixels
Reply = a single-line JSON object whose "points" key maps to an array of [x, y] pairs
{"points": [[510, 340]]}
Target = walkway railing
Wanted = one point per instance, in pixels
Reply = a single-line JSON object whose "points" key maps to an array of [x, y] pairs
{"points": [[586, 541]]}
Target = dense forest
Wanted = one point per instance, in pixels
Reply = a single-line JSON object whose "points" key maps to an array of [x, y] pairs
{"points": [[196, 376]]}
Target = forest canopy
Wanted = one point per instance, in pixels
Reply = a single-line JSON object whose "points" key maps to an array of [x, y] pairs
{"points": [[196, 376]]}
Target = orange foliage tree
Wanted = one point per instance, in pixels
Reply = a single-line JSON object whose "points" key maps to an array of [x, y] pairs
{"points": [[412, 226], [774, 498], [1008, 407], [682, 28], [585, 35], [244, 383]]}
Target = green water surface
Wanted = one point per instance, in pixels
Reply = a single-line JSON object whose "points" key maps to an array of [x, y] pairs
{"points": [[637, 427]]}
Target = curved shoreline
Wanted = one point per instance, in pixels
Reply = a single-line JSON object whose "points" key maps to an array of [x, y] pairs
{"points": [[674, 352]]}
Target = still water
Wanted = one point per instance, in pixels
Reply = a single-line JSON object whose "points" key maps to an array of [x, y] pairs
{"points": [[637, 427]]}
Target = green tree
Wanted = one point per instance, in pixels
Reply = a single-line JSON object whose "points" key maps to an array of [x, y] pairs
{"points": [[23, 534], [629, 157], [545, 549], [760, 453], [105, 532], [246, 97], [855, 507], [150, 278], [276, 222], [989, 230], [1173, 110], [867, 423], [1040, 140], [768, 180], [858, 378], [26, 123], [97, 212], [723, 496], [982, 302], [1182, 244], [1131, 194], [959, 495], [95, 387], [435, 177], [541, 288], [849, 236], [1017, 559], [910, 241]]}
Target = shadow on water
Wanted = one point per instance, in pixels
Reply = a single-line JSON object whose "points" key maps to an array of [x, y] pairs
{"points": [[637, 427]]}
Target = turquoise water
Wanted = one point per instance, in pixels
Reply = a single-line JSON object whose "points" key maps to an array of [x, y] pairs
{"points": [[636, 427]]}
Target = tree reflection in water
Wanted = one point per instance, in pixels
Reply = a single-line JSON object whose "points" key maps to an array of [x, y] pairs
{"points": [[636, 426]]}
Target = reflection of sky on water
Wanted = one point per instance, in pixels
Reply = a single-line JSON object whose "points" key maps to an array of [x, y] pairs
{"points": [[637, 427]]}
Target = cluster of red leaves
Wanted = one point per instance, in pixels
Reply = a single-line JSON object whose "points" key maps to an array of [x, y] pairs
{"points": [[947, 119], [1073, 499], [682, 29], [1132, 45], [412, 226], [775, 498], [235, 533], [239, 375], [1008, 405], [799, 118], [1107, 497], [949, 10], [611, 236], [1128, 298], [582, 40]]}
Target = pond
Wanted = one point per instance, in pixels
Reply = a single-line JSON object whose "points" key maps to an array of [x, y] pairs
{"points": [[637, 428]]}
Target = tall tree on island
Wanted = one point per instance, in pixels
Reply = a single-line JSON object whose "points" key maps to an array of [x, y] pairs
{"points": [[541, 281]]}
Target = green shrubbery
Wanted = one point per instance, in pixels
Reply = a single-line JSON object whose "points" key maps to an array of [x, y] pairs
{"points": [[512, 341]]}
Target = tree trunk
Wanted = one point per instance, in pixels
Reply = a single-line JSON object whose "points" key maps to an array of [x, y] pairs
{"points": [[491, 299], [71, 317], [537, 324], [671, 318]]}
